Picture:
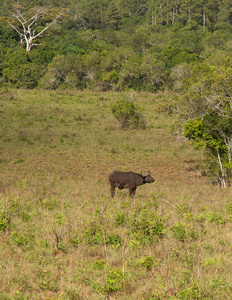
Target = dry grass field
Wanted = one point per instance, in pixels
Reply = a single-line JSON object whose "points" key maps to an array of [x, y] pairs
{"points": [[61, 234]]}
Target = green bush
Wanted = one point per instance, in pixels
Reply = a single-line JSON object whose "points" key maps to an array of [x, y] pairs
{"points": [[99, 265], [64, 71], [9, 208], [146, 227], [93, 234], [114, 281], [19, 70], [193, 292], [114, 239], [120, 219], [128, 113], [179, 231], [148, 262]]}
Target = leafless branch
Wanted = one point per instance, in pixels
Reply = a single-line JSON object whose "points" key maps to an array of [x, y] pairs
{"points": [[27, 30]]}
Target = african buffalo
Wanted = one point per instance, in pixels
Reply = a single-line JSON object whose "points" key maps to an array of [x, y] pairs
{"points": [[128, 180]]}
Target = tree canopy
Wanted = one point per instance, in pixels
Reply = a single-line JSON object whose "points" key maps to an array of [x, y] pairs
{"points": [[206, 106], [118, 44]]}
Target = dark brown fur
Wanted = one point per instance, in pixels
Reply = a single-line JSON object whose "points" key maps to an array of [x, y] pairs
{"points": [[128, 180]]}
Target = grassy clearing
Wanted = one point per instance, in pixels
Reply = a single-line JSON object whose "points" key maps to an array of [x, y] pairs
{"points": [[61, 234]]}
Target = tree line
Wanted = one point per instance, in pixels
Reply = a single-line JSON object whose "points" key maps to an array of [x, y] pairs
{"points": [[108, 45], [116, 14]]}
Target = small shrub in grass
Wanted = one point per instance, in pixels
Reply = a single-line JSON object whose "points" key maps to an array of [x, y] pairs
{"points": [[7, 94], [18, 161], [43, 244], [98, 238], [179, 232], [229, 208], [99, 265], [70, 295], [193, 292], [155, 293], [188, 258], [45, 281], [25, 216], [212, 261], [49, 204], [93, 234], [75, 241], [147, 261], [17, 296], [114, 239], [120, 219], [9, 208], [220, 286], [201, 218], [114, 281], [184, 210], [23, 239], [18, 238], [3, 223], [128, 114], [146, 226], [216, 218], [194, 233]]}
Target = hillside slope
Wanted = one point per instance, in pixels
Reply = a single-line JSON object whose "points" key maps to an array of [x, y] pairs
{"points": [[61, 234]]}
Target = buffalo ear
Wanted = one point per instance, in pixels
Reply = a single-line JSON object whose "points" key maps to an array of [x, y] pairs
{"points": [[141, 173]]}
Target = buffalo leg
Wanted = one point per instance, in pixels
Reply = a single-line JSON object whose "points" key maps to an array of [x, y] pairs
{"points": [[112, 191], [132, 191]]}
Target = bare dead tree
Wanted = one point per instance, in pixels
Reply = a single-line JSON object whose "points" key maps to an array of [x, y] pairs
{"points": [[25, 23]]}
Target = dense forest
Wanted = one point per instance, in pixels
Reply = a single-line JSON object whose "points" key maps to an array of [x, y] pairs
{"points": [[144, 45]]}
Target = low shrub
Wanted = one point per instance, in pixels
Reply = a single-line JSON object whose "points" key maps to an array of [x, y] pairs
{"points": [[128, 113]]}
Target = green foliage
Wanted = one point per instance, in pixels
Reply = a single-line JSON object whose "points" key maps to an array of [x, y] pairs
{"points": [[71, 294], [193, 292], [128, 113], [208, 132], [229, 208], [207, 107], [119, 45], [44, 280], [10, 207], [153, 72], [49, 204], [93, 234], [64, 71], [8, 36], [216, 217], [174, 55], [99, 265], [179, 232], [120, 219], [114, 281], [146, 227], [194, 130], [114, 240], [18, 238], [148, 262], [41, 55], [19, 71]]}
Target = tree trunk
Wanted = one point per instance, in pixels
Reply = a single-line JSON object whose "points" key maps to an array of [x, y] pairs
{"points": [[222, 179], [204, 20]]}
